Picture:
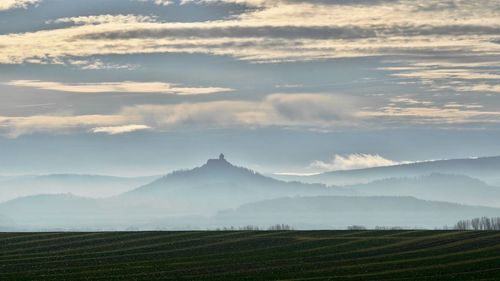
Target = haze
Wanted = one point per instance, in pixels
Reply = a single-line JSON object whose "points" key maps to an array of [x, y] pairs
{"points": [[100, 99]]}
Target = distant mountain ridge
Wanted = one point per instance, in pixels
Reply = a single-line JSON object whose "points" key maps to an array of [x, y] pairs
{"points": [[438, 187], [5, 222], [486, 169], [219, 193], [82, 185], [68, 212], [326, 212], [219, 184]]}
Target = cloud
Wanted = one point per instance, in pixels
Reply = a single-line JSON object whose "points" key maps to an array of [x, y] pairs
{"points": [[307, 111], [159, 2], [409, 101], [452, 74], [289, 111], [437, 115], [311, 108], [263, 3], [442, 112], [116, 130], [16, 4], [467, 106], [118, 87], [480, 87], [218, 114], [352, 162], [104, 19], [58, 124], [460, 74], [266, 34], [97, 64]]}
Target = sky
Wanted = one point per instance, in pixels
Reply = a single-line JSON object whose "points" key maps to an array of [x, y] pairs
{"points": [[140, 87]]}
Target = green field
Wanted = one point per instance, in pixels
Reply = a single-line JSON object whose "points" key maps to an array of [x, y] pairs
{"points": [[265, 255]]}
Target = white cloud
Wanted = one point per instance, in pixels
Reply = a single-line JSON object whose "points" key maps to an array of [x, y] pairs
{"points": [[159, 2], [321, 112], [288, 110], [462, 74], [404, 27], [116, 130], [118, 87], [17, 126], [15, 4], [352, 162], [409, 101], [457, 76], [479, 87], [104, 19], [437, 115], [316, 108], [96, 64], [467, 106]]}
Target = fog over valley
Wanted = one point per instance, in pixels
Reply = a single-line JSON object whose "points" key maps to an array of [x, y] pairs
{"points": [[220, 194]]}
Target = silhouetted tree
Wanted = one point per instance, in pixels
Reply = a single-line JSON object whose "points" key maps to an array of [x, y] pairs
{"points": [[483, 223], [463, 225], [279, 227], [249, 228], [356, 227]]}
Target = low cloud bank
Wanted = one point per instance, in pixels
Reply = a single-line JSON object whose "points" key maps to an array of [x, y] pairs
{"points": [[353, 162]]}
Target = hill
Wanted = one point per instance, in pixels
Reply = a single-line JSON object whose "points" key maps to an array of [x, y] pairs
{"points": [[44, 212], [81, 185], [217, 185], [5, 222], [338, 212], [220, 194], [485, 169], [232, 256], [200, 192], [437, 187], [55, 210]]}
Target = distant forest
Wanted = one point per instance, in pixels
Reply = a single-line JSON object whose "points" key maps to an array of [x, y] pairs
{"points": [[483, 223], [475, 224]]}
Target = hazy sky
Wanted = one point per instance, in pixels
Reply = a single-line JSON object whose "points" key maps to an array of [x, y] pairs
{"points": [[145, 86]]}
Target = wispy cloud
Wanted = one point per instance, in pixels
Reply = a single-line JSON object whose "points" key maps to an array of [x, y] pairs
{"points": [[116, 130], [97, 64], [452, 74], [346, 162], [309, 111], [352, 162], [289, 110], [461, 74], [467, 106], [266, 34], [433, 115], [57, 124], [313, 111], [409, 101], [15, 4], [118, 87], [159, 2], [104, 19], [480, 87]]}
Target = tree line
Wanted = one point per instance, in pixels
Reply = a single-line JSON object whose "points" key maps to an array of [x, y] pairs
{"points": [[483, 223], [276, 227]]}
